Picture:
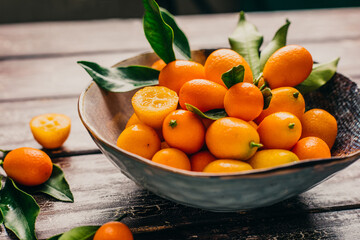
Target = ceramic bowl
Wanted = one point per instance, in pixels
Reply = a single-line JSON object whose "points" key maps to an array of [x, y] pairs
{"points": [[105, 114]]}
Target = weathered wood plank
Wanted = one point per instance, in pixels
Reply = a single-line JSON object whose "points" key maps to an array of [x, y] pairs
{"points": [[49, 77], [327, 225], [124, 35], [102, 193]]}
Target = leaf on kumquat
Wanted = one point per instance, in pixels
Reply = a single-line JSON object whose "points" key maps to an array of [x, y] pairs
{"points": [[19, 211], [267, 94], [56, 186], [121, 79], [278, 41], [246, 40], [4, 153], [81, 233], [233, 76], [78, 233], [320, 74], [158, 33], [181, 44], [212, 114]]}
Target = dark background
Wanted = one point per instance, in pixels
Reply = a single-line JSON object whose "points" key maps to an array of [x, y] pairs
{"points": [[12, 11]]}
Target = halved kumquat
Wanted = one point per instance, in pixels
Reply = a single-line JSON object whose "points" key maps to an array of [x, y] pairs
{"points": [[153, 104], [51, 130]]}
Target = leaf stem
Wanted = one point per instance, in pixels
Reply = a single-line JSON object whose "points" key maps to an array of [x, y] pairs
{"points": [[257, 80], [263, 86]]}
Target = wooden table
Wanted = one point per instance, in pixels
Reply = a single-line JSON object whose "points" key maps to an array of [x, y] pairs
{"points": [[39, 74]]}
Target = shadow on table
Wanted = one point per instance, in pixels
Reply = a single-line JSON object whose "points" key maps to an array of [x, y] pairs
{"points": [[157, 218]]}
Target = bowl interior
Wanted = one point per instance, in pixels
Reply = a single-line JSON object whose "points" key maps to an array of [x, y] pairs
{"points": [[340, 97]]}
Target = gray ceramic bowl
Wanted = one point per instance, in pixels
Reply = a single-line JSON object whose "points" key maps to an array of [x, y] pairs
{"points": [[105, 114]]}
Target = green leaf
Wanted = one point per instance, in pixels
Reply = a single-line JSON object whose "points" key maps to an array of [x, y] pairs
{"points": [[246, 40], [121, 79], [19, 211], [278, 41], [233, 76], [257, 79], [4, 153], [320, 74], [181, 45], [158, 33], [267, 95], [81, 233], [1, 218], [56, 186], [78, 233], [212, 114], [56, 237]]}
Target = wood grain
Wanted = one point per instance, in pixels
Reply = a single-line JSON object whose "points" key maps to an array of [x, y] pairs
{"points": [[334, 225], [49, 77]]}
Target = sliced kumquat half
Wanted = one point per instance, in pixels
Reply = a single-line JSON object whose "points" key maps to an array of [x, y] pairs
{"points": [[153, 104], [51, 130]]}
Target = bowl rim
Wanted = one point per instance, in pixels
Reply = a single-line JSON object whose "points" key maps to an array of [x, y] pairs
{"points": [[250, 173]]}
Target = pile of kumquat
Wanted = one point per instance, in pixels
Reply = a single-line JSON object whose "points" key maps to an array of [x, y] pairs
{"points": [[165, 128]]}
